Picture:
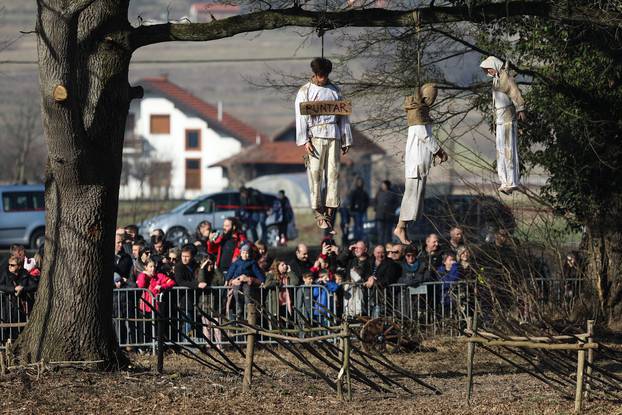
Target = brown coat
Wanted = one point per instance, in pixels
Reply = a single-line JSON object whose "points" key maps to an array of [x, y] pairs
{"points": [[508, 86]]}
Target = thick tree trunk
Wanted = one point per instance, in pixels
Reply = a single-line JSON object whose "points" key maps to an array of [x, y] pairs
{"points": [[86, 54], [604, 267]]}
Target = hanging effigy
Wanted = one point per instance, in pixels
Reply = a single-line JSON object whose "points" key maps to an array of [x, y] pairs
{"points": [[509, 106], [421, 150], [323, 128]]}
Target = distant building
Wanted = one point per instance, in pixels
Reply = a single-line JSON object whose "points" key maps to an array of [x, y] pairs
{"points": [[282, 156], [206, 12], [171, 139]]}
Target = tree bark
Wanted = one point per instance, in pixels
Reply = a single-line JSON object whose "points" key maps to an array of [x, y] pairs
{"points": [[85, 52], [604, 268]]}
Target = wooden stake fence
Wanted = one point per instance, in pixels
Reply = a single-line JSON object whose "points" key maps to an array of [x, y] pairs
{"points": [[251, 332], [585, 345], [250, 349]]}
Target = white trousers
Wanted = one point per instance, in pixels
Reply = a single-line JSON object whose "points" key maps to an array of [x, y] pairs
{"points": [[507, 154], [324, 164], [412, 201]]}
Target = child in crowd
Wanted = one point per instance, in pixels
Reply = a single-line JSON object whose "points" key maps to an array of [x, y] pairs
{"points": [[320, 295], [280, 299], [264, 260], [244, 276], [320, 266], [304, 296], [337, 287], [448, 273], [156, 282]]}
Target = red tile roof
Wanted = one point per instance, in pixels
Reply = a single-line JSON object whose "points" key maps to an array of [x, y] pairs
{"points": [[362, 143], [238, 129], [268, 152], [271, 152]]}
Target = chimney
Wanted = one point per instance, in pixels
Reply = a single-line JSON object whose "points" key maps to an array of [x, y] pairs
{"points": [[219, 111]]}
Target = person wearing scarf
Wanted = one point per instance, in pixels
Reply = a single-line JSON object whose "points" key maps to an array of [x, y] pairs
{"points": [[279, 297], [509, 106]]}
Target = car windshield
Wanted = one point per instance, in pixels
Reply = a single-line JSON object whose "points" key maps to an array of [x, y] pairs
{"points": [[184, 205]]}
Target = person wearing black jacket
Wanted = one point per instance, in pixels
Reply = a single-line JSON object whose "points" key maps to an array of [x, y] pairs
{"points": [[122, 261], [301, 264], [202, 235], [359, 202], [125, 302], [430, 257], [386, 203], [186, 272], [356, 257], [385, 271], [19, 290]]}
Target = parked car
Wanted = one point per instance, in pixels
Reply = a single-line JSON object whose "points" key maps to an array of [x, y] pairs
{"points": [[22, 215], [181, 222], [478, 215]]}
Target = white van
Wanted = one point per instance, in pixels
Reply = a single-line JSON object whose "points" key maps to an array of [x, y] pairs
{"points": [[22, 215]]}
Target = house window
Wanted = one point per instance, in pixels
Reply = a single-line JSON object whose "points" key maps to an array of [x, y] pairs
{"points": [[193, 139], [193, 174], [160, 124]]}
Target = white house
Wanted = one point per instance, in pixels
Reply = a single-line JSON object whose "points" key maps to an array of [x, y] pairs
{"points": [[172, 137]]}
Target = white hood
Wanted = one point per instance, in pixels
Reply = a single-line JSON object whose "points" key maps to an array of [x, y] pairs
{"points": [[492, 63]]}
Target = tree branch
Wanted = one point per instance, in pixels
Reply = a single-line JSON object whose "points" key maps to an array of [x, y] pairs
{"points": [[520, 70], [273, 19], [295, 16]]}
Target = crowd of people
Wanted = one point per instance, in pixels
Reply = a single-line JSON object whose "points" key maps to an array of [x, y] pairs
{"points": [[229, 259], [217, 258]]}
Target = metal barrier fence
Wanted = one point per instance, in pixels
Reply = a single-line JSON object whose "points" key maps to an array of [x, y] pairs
{"points": [[190, 315], [13, 316]]}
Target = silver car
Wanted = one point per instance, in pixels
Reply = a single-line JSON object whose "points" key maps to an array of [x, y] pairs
{"points": [[22, 215], [180, 223]]}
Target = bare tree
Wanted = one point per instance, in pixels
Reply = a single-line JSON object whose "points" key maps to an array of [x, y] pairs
{"points": [[22, 140]]}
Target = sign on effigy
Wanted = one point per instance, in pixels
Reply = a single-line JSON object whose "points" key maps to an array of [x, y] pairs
{"points": [[326, 108]]}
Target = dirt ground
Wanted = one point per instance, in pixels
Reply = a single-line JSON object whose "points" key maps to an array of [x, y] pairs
{"points": [[188, 388]]}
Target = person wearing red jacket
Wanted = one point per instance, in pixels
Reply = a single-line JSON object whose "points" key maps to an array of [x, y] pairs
{"points": [[155, 282], [227, 246]]}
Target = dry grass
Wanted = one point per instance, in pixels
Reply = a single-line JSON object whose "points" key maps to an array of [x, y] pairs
{"points": [[189, 388]]}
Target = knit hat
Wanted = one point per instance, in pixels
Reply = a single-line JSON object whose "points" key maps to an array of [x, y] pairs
{"points": [[117, 277], [410, 249], [245, 247]]}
